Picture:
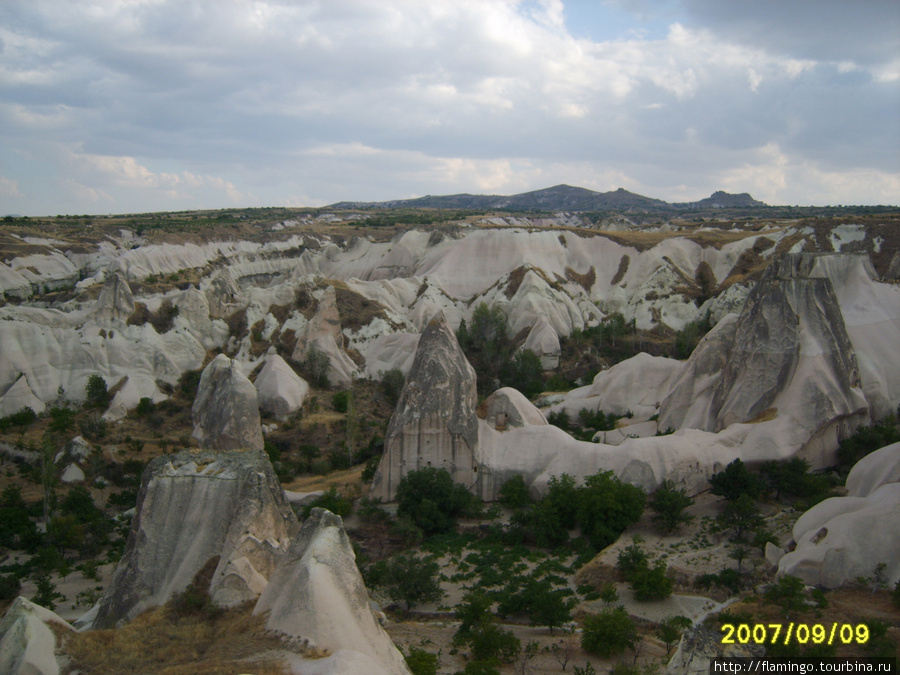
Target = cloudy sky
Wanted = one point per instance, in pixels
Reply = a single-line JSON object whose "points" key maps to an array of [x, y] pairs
{"points": [[116, 106]]}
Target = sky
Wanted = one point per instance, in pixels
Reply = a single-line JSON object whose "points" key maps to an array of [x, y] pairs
{"points": [[126, 106]]}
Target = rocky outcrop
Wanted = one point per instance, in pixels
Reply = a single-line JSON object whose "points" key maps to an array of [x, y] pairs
{"points": [[115, 302], [226, 409], [508, 408], [19, 396], [317, 596], [844, 538], [27, 641], [223, 295], [543, 340], [281, 391], [788, 355], [434, 423], [323, 333], [193, 507], [699, 646]]}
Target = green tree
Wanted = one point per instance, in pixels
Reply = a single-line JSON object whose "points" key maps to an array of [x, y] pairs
{"points": [[392, 382], [431, 499], [331, 500], [668, 505], [562, 495], [524, 373], [670, 630], [513, 493], [95, 392], [606, 506], [609, 633], [421, 662], [488, 643], [789, 592], [740, 516], [316, 366], [412, 580], [734, 481], [652, 583]]}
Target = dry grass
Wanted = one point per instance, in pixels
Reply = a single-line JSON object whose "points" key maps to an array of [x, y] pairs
{"points": [[160, 642], [764, 416]]}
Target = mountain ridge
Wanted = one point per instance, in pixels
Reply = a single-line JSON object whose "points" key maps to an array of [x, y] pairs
{"points": [[560, 197]]}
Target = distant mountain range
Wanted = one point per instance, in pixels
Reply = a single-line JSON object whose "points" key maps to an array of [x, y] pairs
{"points": [[562, 198]]}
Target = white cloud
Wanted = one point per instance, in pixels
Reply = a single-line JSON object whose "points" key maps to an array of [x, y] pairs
{"points": [[361, 100]]}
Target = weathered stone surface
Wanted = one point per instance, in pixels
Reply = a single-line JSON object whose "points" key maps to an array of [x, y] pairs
{"points": [[194, 506], [843, 538], [317, 595], [508, 408], [874, 470], [224, 295], [434, 423], [699, 646], [27, 643], [544, 341], [226, 409], [323, 333], [281, 391], [20, 396], [116, 301], [688, 402], [72, 474]]}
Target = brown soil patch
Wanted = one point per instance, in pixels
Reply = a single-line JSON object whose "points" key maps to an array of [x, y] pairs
{"points": [[623, 269], [586, 280]]}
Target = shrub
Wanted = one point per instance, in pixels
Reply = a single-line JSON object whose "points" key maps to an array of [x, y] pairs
{"points": [[95, 392], [734, 481], [145, 406], [412, 580], [514, 493], [652, 583], [392, 382], [341, 401], [24, 418], [9, 587], [332, 501], [609, 633], [740, 516], [668, 505], [421, 662], [606, 506], [431, 499], [865, 440]]}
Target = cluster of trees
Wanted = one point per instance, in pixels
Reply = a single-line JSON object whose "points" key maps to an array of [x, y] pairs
{"points": [[486, 343], [602, 507]]}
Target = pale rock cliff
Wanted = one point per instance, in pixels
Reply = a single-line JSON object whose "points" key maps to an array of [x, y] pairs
{"points": [[281, 391], [317, 595], [844, 538], [434, 423], [27, 642], [226, 409], [192, 507]]}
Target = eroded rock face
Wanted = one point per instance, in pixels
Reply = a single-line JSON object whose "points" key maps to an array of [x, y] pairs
{"points": [[699, 646], [787, 320], [192, 507], [116, 301], [226, 409], [843, 538], [317, 595], [224, 295], [323, 333], [434, 423], [508, 408], [27, 643], [281, 391], [544, 341]]}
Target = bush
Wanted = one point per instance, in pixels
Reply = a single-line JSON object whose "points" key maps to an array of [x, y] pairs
{"points": [[412, 580], [668, 505], [341, 401], [95, 392], [513, 493], [865, 440], [740, 516], [524, 373], [606, 506], [431, 499], [392, 382], [421, 662], [9, 587], [789, 592], [609, 633], [652, 583], [332, 501], [144, 407], [734, 481], [24, 418]]}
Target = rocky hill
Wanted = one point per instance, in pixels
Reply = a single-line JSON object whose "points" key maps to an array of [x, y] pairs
{"points": [[559, 198]]}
